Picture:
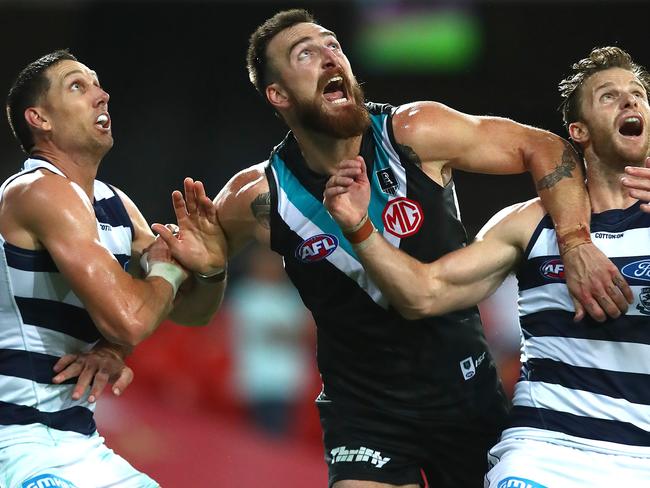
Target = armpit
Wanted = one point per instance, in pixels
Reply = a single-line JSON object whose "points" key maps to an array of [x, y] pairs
{"points": [[409, 154]]}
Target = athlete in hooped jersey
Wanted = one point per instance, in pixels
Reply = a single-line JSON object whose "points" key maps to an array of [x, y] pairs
{"points": [[65, 240], [580, 414], [396, 398]]}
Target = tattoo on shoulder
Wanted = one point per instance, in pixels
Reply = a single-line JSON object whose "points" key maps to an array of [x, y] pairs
{"points": [[261, 208], [410, 155], [570, 160]]}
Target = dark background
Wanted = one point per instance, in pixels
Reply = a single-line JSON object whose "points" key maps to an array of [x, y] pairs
{"points": [[181, 103]]}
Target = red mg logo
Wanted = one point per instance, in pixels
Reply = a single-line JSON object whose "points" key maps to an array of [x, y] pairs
{"points": [[402, 217]]}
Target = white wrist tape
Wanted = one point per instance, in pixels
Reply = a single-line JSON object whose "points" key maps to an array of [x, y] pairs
{"points": [[144, 262], [172, 274]]}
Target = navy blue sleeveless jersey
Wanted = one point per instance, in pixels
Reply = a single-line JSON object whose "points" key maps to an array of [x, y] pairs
{"points": [[585, 384], [368, 355]]}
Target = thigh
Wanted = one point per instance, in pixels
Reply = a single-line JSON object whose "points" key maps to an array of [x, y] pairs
{"points": [[368, 449], [537, 464], [369, 484], [459, 448], [70, 463]]}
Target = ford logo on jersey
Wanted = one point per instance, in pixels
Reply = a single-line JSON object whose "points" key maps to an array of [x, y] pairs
{"points": [[317, 248], [638, 270], [553, 269]]}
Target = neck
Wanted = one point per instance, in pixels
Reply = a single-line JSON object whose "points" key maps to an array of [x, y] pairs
{"points": [[80, 168], [604, 185], [323, 153]]}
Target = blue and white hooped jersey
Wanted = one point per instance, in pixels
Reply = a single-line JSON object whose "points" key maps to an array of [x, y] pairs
{"points": [[585, 384], [367, 353], [41, 319]]}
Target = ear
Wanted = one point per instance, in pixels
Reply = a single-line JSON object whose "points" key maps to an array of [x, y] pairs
{"points": [[276, 96], [37, 119], [579, 132]]}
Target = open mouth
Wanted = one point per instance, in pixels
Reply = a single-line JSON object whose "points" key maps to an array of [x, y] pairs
{"points": [[631, 126], [335, 91], [103, 121]]}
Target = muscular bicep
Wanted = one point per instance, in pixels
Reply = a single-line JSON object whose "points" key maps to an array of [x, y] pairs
{"points": [[68, 231], [441, 136], [467, 276]]}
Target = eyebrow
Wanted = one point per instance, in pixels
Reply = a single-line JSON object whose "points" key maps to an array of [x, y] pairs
{"points": [[608, 83], [307, 38], [78, 71]]}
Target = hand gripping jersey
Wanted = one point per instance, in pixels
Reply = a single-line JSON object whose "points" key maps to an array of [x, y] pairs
{"points": [[41, 319], [367, 353], [586, 384]]}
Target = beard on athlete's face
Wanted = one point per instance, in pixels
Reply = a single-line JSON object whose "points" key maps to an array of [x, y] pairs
{"points": [[348, 120]]}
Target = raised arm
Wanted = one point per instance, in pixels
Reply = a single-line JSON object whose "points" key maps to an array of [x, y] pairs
{"points": [[125, 310], [210, 232], [440, 138], [199, 244], [457, 280]]}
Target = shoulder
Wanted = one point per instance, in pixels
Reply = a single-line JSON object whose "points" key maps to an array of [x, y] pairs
{"points": [[427, 122], [244, 187], [34, 193], [514, 224], [424, 111], [244, 207], [41, 207]]}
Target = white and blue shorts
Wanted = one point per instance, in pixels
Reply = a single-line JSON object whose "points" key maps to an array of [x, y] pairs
{"points": [[66, 460], [527, 463]]}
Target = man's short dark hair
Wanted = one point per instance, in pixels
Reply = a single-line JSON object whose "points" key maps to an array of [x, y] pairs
{"points": [[256, 62], [30, 85], [599, 59]]}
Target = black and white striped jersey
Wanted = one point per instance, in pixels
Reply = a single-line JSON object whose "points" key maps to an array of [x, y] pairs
{"points": [[585, 384], [367, 353], [41, 319]]}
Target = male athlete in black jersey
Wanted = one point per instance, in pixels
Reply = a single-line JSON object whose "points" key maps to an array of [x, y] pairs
{"points": [[398, 399], [579, 415]]}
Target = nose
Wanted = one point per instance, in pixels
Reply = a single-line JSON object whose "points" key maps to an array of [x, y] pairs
{"points": [[328, 58], [102, 97], [629, 100]]}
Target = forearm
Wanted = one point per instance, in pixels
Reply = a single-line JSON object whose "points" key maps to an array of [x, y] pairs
{"points": [[117, 350], [197, 302], [559, 181], [455, 281], [132, 314], [400, 277]]}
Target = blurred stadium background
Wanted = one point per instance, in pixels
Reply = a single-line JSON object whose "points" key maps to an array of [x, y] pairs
{"points": [[181, 105]]}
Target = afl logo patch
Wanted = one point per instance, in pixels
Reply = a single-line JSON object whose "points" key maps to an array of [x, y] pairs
{"points": [[552, 269], [402, 217], [317, 248], [638, 270]]}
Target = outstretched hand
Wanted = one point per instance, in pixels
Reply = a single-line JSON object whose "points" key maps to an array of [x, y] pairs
{"points": [[347, 193], [595, 284], [637, 181], [200, 244], [102, 365]]}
